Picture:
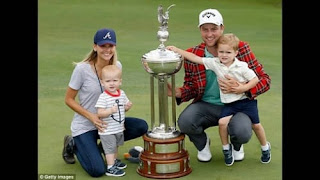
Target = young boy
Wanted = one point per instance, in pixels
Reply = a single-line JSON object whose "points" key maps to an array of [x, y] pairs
{"points": [[111, 106], [228, 65]]}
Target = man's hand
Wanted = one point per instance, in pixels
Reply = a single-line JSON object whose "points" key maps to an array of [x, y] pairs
{"points": [[177, 91], [230, 85]]}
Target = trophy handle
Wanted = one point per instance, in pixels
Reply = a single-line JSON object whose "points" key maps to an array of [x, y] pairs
{"points": [[167, 12]]}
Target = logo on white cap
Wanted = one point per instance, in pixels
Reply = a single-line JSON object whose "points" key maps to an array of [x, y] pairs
{"points": [[210, 16]]}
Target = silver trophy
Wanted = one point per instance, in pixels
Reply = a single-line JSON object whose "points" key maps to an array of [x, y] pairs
{"points": [[162, 64], [164, 155]]}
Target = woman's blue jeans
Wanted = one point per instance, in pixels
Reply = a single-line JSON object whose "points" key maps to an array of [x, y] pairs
{"points": [[88, 152]]}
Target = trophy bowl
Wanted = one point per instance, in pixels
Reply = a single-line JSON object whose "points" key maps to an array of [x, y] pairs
{"points": [[162, 62]]}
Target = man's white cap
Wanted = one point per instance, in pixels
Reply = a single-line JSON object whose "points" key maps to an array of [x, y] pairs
{"points": [[210, 16]]}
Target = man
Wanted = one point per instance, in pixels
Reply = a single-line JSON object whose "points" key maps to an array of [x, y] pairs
{"points": [[202, 86]]}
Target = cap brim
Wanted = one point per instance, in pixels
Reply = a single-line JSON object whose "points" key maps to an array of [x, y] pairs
{"points": [[218, 24], [106, 42]]}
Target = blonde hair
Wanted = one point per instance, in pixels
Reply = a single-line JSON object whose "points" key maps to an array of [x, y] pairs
{"points": [[92, 56], [229, 39], [111, 69]]}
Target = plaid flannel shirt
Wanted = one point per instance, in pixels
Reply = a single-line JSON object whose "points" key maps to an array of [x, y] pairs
{"points": [[195, 76]]}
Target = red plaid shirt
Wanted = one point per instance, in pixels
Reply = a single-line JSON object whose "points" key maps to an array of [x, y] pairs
{"points": [[195, 76]]}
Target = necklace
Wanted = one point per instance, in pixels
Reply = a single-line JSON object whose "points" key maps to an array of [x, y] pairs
{"points": [[94, 64]]}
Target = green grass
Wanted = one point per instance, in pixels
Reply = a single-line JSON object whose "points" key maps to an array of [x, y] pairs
{"points": [[65, 34]]}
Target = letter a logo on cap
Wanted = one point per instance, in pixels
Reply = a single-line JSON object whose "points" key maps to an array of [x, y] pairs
{"points": [[107, 36]]}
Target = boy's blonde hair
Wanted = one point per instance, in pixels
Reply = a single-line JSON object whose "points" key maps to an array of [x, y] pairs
{"points": [[111, 69], [229, 39]]}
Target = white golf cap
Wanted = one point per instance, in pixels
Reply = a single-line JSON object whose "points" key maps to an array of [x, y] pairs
{"points": [[210, 16]]}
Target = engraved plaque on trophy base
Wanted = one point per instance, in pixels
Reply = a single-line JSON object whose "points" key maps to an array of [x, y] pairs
{"points": [[164, 158]]}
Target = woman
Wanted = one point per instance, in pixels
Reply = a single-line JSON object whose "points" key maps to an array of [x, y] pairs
{"points": [[85, 82]]}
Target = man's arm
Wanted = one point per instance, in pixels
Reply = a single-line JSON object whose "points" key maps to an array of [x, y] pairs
{"points": [[194, 78], [245, 54]]}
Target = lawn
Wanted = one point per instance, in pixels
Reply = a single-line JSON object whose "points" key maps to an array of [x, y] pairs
{"points": [[65, 35]]}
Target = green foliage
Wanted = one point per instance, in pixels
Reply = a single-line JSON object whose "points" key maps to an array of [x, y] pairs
{"points": [[65, 35]]}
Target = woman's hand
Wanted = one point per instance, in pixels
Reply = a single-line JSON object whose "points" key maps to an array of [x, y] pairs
{"points": [[97, 122]]}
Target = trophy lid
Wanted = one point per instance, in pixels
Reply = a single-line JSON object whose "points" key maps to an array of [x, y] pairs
{"points": [[161, 62], [161, 55]]}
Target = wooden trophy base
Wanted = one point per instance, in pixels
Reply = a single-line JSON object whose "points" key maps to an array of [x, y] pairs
{"points": [[164, 158]]}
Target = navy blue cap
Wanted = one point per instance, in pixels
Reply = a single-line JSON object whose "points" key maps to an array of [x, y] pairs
{"points": [[104, 36]]}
